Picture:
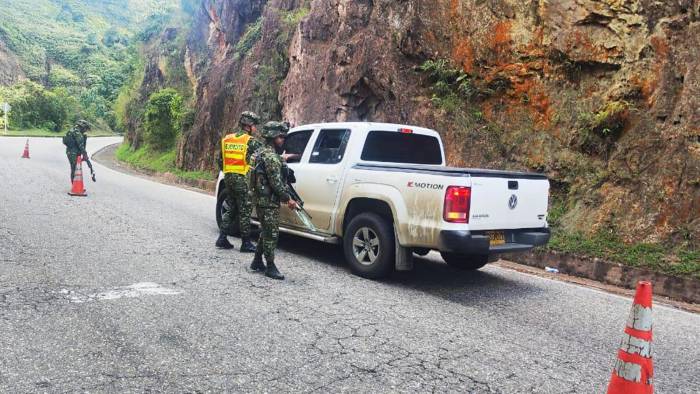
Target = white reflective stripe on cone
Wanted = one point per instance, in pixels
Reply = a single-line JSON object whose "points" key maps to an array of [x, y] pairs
{"points": [[634, 345], [628, 371], [639, 318]]}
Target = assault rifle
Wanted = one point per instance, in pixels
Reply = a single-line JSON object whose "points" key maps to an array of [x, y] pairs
{"points": [[89, 163], [301, 213]]}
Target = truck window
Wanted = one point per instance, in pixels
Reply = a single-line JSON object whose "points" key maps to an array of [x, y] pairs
{"points": [[330, 146], [295, 144], [395, 147]]}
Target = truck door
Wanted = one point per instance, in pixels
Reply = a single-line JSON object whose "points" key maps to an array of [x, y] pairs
{"points": [[295, 144], [319, 181]]}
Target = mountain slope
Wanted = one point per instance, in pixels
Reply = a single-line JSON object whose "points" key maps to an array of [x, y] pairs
{"points": [[82, 46]]}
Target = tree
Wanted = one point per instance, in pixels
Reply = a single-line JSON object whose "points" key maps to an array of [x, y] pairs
{"points": [[162, 119]]}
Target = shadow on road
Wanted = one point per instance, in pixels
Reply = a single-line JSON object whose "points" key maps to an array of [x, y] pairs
{"points": [[429, 275]]}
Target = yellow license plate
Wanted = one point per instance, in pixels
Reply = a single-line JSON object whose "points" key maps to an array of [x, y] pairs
{"points": [[497, 237]]}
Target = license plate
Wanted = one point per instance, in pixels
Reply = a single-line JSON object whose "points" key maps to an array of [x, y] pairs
{"points": [[497, 237]]}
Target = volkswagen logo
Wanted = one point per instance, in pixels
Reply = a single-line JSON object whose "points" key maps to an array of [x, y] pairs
{"points": [[513, 202]]}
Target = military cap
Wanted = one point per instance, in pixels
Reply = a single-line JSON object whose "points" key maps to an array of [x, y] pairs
{"points": [[249, 118], [83, 125], [274, 129]]}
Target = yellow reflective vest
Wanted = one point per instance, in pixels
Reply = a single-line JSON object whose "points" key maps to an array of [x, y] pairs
{"points": [[234, 149]]}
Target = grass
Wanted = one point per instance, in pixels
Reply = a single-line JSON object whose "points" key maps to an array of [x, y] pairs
{"points": [[47, 133], [145, 158], [676, 260]]}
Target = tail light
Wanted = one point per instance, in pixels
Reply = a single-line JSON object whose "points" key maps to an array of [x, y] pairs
{"points": [[457, 202], [405, 131]]}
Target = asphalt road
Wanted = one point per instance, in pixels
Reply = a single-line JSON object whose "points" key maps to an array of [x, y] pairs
{"points": [[123, 291]]}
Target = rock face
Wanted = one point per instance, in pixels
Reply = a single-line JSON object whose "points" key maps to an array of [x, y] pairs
{"points": [[603, 96], [10, 70]]}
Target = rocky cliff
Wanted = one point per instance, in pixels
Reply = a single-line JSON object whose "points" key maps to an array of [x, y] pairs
{"points": [[603, 96], [10, 70]]}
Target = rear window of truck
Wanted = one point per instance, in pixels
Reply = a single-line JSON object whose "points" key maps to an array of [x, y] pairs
{"points": [[395, 147]]}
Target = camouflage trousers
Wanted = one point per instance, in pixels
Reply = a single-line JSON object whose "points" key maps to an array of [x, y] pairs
{"points": [[270, 226], [72, 159], [240, 201]]}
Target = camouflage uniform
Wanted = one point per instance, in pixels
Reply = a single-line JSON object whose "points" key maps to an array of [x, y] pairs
{"points": [[239, 194], [75, 141], [270, 189]]}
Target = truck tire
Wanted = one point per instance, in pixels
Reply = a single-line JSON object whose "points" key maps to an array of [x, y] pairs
{"points": [[369, 246], [221, 207], [465, 262]]}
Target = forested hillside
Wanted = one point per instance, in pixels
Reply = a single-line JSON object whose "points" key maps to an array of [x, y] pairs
{"points": [[77, 55]]}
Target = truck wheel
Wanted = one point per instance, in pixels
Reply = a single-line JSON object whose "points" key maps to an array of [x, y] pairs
{"points": [[222, 207], [465, 262], [369, 246]]}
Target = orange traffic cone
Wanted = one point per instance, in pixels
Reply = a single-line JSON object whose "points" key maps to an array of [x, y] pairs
{"points": [[634, 370], [25, 155], [78, 186]]}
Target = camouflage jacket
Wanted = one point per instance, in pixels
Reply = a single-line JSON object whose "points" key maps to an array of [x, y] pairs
{"points": [[75, 142], [269, 183], [254, 145]]}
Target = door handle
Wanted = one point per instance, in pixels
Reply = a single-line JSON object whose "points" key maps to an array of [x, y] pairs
{"points": [[332, 179]]}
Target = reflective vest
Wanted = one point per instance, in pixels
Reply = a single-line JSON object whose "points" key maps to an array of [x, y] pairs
{"points": [[234, 150]]}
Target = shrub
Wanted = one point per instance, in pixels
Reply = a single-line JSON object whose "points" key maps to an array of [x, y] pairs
{"points": [[249, 38], [162, 119]]}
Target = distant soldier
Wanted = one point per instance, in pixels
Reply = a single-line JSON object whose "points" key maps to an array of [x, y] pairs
{"points": [[75, 141], [270, 188], [236, 151]]}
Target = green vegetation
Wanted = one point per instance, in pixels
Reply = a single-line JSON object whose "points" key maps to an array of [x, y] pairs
{"points": [[36, 107], [162, 119], [249, 38], [598, 131], [78, 49], [149, 159], [678, 260], [450, 86]]}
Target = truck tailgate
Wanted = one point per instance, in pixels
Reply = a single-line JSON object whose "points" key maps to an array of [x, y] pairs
{"points": [[503, 203]]}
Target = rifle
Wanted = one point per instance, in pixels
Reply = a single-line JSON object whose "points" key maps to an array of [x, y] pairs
{"points": [[289, 178], [89, 163], [301, 213]]}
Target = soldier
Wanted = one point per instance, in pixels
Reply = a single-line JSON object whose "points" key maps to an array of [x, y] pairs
{"points": [[75, 140], [270, 190], [236, 151]]}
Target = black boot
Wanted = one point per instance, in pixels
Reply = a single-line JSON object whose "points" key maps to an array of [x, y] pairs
{"points": [[257, 265], [273, 272], [222, 242], [248, 246]]}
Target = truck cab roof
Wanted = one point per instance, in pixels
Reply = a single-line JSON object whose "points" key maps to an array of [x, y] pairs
{"points": [[367, 127]]}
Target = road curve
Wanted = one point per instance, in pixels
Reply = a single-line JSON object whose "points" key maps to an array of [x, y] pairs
{"points": [[123, 291]]}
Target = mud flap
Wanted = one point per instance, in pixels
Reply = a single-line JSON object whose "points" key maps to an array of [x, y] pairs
{"points": [[404, 256]]}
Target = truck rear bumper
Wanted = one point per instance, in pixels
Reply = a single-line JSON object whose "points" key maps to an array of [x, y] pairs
{"points": [[465, 242]]}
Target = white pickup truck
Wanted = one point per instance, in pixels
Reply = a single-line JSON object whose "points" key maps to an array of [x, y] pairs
{"points": [[383, 192]]}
